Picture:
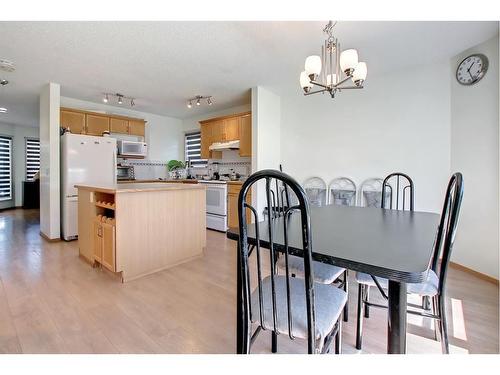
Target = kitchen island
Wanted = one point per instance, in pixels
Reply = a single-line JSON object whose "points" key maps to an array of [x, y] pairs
{"points": [[136, 229]]}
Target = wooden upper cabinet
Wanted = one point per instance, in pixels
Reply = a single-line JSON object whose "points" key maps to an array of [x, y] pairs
{"points": [[75, 121], [246, 135], [225, 129], [137, 127], [231, 129], [118, 125], [97, 124], [206, 140]]}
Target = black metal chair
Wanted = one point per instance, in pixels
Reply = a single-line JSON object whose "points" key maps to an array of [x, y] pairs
{"points": [[434, 285], [299, 308], [397, 193], [323, 273]]}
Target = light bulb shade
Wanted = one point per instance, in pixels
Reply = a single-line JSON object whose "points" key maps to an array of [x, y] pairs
{"points": [[331, 79], [348, 60], [359, 74], [313, 66], [305, 82]]}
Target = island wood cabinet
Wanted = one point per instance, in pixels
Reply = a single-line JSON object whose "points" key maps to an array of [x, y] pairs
{"points": [[104, 244], [91, 123], [233, 193], [225, 129]]}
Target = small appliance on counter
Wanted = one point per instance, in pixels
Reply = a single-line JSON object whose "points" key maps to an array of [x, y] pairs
{"points": [[132, 149], [125, 172]]}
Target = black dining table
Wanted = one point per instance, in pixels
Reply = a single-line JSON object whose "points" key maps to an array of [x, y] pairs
{"points": [[396, 245]]}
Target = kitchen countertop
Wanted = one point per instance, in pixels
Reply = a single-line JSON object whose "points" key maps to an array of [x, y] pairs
{"points": [[140, 187], [185, 181]]}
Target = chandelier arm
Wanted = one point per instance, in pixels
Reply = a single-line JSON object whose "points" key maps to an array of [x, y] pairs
{"points": [[349, 88], [326, 87], [315, 92], [344, 80]]}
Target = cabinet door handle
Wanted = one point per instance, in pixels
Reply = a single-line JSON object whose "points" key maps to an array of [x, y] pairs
{"points": [[99, 231]]}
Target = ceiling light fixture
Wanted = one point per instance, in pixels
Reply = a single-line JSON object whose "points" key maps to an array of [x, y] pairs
{"points": [[3, 110], [107, 96], [332, 69], [198, 99]]}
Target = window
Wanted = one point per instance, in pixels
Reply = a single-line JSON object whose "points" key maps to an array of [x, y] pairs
{"points": [[32, 157], [192, 145], [5, 168]]}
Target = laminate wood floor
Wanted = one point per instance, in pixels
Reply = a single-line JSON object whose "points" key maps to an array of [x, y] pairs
{"points": [[51, 301]]}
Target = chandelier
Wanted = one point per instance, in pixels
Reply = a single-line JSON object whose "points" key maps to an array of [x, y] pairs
{"points": [[331, 71]]}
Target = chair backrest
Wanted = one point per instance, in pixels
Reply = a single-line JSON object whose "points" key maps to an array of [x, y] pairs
{"points": [[315, 188], [273, 231], [342, 192], [445, 237], [397, 192], [370, 193]]}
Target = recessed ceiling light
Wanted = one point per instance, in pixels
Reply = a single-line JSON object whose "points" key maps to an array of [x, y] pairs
{"points": [[7, 66], [3, 110]]}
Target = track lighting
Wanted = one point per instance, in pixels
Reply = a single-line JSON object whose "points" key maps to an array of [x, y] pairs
{"points": [[197, 99], [119, 98], [3, 110]]}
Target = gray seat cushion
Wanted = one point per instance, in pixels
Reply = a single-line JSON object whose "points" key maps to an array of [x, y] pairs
{"points": [[329, 303], [366, 279], [429, 287], [323, 273]]}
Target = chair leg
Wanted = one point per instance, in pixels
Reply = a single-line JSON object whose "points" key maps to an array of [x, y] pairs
{"points": [[338, 338], [426, 303], [346, 289], [274, 342], [359, 321], [367, 308], [437, 322], [443, 327]]}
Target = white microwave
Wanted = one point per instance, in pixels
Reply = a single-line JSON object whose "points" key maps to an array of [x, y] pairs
{"points": [[132, 149]]}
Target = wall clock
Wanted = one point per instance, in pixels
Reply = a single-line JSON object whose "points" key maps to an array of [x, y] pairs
{"points": [[472, 69]]}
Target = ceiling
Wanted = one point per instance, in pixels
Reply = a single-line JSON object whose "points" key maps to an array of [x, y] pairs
{"points": [[164, 63]]}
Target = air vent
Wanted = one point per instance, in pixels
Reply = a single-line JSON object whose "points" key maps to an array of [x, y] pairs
{"points": [[7, 66]]}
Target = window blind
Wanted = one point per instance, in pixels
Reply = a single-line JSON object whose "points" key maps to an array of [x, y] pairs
{"points": [[5, 168], [192, 145], [32, 157]]}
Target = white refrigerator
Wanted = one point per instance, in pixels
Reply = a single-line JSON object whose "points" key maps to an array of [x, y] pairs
{"points": [[85, 160]]}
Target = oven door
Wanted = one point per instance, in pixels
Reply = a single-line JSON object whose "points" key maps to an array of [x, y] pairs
{"points": [[217, 199]]}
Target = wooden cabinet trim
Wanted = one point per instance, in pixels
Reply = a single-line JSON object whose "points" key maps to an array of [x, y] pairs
{"points": [[225, 117]]}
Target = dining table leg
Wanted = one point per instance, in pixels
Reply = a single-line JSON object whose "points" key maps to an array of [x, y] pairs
{"points": [[239, 304], [396, 332]]}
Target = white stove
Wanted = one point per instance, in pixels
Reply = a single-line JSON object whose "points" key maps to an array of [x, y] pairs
{"points": [[216, 204]]}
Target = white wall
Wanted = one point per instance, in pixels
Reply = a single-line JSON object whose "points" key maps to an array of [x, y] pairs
{"points": [[49, 161], [474, 152], [399, 122], [18, 134], [266, 137], [164, 135]]}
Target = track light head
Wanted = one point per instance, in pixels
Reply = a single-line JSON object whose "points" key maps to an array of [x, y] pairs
{"points": [[132, 103], [198, 102], [105, 98], [209, 101], [120, 99], [190, 104]]}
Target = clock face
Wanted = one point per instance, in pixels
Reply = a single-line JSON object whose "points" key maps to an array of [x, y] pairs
{"points": [[472, 69]]}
